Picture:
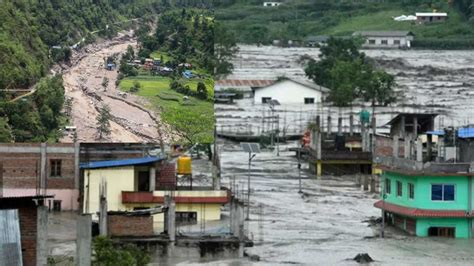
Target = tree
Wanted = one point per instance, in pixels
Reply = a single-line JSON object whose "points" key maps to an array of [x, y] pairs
{"points": [[105, 83], [192, 127], [377, 87], [225, 48], [106, 254], [201, 91], [103, 121]]}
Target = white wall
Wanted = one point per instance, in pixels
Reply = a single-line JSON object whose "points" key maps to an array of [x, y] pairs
{"points": [[287, 92], [390, 41]]}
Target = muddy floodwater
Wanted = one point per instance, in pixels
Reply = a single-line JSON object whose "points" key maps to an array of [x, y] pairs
{"points": [[430, 81], [326, 224]]}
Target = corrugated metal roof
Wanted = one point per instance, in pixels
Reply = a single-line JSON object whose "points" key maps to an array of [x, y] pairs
{"points": [[10, 242], [118, 163], [383, 33], [414, 212], [464, 133], [244, 83]]}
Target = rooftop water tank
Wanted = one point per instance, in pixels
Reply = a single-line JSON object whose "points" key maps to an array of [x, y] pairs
{"points": [[184, 165]]}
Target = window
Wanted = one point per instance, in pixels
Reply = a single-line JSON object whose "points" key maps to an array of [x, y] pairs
{"points": [[442, 192], [184, 218], [411, 191], [449, 232], [384, 42], [371, 41], [397, 42], [399, 189], [55, 167], [388, 188], [308, 100], [266, 99]]}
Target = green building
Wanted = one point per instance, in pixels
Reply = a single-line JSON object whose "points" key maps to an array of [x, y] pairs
{"points": [[437, 203]]}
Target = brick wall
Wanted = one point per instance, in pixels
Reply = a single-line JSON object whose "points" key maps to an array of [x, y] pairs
{"points": [[22, 169], [121, 225], [384, 147], [166, 176]]}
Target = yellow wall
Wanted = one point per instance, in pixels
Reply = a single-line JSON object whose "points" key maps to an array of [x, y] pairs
{"points": [[118, 179], [205, 211]]}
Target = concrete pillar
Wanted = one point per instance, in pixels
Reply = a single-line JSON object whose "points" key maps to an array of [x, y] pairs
{"points": [[103, 208], [339, 125], [319, 169], [351, 125], [364, 136], [77, 153], [329, 125], [415, 127], [429, 145], [372, 184], [152, 179], [419, 150], [366, 182], [402, 126], [357, 181], [84, 240], [407, 151], [172, 220], [395, 146], [374, 132], [43, 169], [42, 236]]}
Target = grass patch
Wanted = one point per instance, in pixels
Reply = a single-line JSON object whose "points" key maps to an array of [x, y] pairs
{"points": [[158, 54], [162, 98]]}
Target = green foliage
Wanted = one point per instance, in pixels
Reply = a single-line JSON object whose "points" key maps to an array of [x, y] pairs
{"points": [[348, 75], [201, 91], [191, 126], [224, 50], [108, 254], [296, 20], [103, 122]]}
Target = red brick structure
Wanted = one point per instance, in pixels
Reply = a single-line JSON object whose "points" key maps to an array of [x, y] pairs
{"points": [[30, 226], [122, 224], [166, 176]]}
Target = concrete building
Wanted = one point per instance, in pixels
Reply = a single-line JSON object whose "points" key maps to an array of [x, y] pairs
{"points": [[271, 4], [424, 18], [386, 39], [31, 169], [289, 91], [435, 202], [141, 183]]}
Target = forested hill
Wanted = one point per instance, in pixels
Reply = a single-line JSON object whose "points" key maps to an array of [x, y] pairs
{"points": [[34, 34], [297, 19]]}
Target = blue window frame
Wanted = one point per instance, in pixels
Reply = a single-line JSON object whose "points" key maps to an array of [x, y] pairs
{"points": [[442, 192]]}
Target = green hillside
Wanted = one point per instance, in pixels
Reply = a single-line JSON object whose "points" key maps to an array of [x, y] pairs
{"points": [[296, 19]]}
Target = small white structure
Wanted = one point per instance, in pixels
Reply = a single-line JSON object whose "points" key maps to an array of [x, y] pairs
{"points": [[271, 4], [289, 91], [431, 17], [386, 39]]}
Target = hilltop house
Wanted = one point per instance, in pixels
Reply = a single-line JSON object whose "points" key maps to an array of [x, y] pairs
{"points": [[386, 39], [142, 183], [423, 18], [271, 4], [289, 91]]}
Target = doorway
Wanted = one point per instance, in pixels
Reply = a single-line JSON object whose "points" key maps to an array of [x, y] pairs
{"points": [[143, 181], [449, 232]]}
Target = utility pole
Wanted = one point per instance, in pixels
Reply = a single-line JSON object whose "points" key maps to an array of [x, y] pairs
{"points": [[382, 228], [299, 170]]}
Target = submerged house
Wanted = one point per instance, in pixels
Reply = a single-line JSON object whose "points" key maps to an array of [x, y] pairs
{"points": [[386, 39], [432, 17], [289, 91], [142, 183], [430, 193]]}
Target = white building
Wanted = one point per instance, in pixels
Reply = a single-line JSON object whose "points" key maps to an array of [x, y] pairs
{"points": [[386, 39], [288, 91], [431, 17], [271, 4]]}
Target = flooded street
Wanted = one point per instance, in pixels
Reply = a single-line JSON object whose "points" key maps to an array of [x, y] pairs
{"points": [[325, 224]]}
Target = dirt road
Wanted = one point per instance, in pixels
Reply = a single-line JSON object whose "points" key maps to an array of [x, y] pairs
{"points": [[83, 85]]}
